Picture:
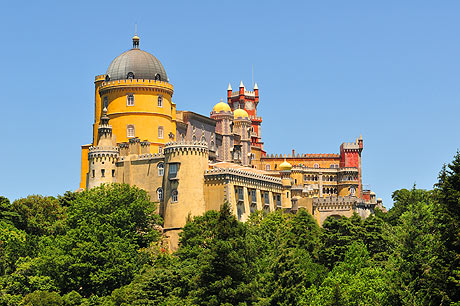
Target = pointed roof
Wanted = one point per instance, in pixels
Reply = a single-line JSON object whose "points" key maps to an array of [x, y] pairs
{"points": [[229, 87], [255, 86], [241, 84]]}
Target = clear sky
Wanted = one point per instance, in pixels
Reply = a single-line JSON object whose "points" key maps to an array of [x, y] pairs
{"points": [[328, 71]]}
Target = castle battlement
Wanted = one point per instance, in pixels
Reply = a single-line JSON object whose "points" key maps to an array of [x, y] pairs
{"points": [[135, 82], [186, 146], [93, 149], [247, 174], [335, 203], [151, 156]]}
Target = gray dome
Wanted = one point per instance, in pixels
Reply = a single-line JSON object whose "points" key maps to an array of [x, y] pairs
{"points": [[141, 64]]}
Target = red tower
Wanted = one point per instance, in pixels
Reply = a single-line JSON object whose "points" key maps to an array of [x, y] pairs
{"points": [[350, 156], [247, 100]]}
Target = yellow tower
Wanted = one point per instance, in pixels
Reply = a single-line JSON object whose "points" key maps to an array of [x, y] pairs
{"points": [[137, 94]]}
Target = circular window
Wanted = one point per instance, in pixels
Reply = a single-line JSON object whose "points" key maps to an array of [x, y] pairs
{"points": [[130, 75]]}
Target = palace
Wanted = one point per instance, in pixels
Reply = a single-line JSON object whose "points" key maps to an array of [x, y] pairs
{"points": [[190, 163]]}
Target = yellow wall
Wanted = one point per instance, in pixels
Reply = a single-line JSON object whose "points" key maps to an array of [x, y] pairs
{"points": [[145, 114], [84, 165]]}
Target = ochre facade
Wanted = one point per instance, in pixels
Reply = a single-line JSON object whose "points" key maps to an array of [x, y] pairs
{"points": [[191, 163]]}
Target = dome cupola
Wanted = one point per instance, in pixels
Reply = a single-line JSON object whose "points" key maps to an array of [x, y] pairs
{"points": [[285, 166], [136, 64], [240, 113], [221, 106]]}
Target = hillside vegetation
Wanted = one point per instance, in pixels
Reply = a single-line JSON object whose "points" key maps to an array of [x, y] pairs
{"points": [[103, 247]]}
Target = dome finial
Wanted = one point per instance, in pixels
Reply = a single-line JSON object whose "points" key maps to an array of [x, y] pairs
{"points": [[136, 40]]}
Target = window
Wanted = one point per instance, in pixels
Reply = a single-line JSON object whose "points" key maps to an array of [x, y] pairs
{"points": [[278, 200], [174, 196], [157, 77], [105, 102], [102, 172], [316, 166], [160, 149], [267, 198], [240, 194], [172, 169], [130, 100], [130, 130], [253, 196], [160, 132], [130, 76], [93, 173], [194, 138], [267, 167], [113, 173], [203, 139], [161, 169], [160, 194], [160, 101]]}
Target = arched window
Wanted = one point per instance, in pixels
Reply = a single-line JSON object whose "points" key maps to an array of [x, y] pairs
{"points": [[213, 145], [130, 130], [194, 138], [160, 194], [105, 102], [316, 166], [160, 132], [161, 169], [158, 77], [130, 99], [107, 78], [160, 149], [203, 139], [267, 167], [130, 76], [174, 196], [160, 101]]}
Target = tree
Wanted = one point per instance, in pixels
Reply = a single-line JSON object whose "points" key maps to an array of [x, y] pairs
{"points": [[39, 215], [225, 264], [99, 251], [354, 281], [447, 215]]}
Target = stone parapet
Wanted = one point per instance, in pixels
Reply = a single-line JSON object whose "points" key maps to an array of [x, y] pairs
{"points": [[186, 146], [236, 175]]}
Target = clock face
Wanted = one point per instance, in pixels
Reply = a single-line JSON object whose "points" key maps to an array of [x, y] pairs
{"points": [[249, 105]]}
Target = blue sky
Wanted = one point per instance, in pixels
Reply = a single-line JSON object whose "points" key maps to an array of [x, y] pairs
{"points": [[328, 71]]}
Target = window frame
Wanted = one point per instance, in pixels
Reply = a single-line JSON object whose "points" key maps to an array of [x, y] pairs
{"points": [[128, 102], [174, 196], [130, 127]]}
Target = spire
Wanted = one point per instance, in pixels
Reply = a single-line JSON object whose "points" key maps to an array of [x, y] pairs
{"points": [[360, 137], [135, 42], [229, 87], [255, 86], [241, 84]]}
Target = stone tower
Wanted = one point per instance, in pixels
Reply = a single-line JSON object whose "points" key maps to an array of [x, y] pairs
{"points": [[103, 156], [183, 181], [224, 124]]}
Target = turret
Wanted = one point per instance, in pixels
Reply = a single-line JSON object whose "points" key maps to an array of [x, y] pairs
{"points": [[185, 165], [103, 157], [223, 115], [286, 181], [242, 127]]}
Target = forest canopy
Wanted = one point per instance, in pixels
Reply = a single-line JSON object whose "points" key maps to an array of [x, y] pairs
{"points": [[105, 247]]}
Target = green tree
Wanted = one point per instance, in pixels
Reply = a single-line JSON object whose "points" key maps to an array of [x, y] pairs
{"points": [[39, 215], [99, 251], [447, 215], [225, 264], [42, 298], [354, 281]]}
